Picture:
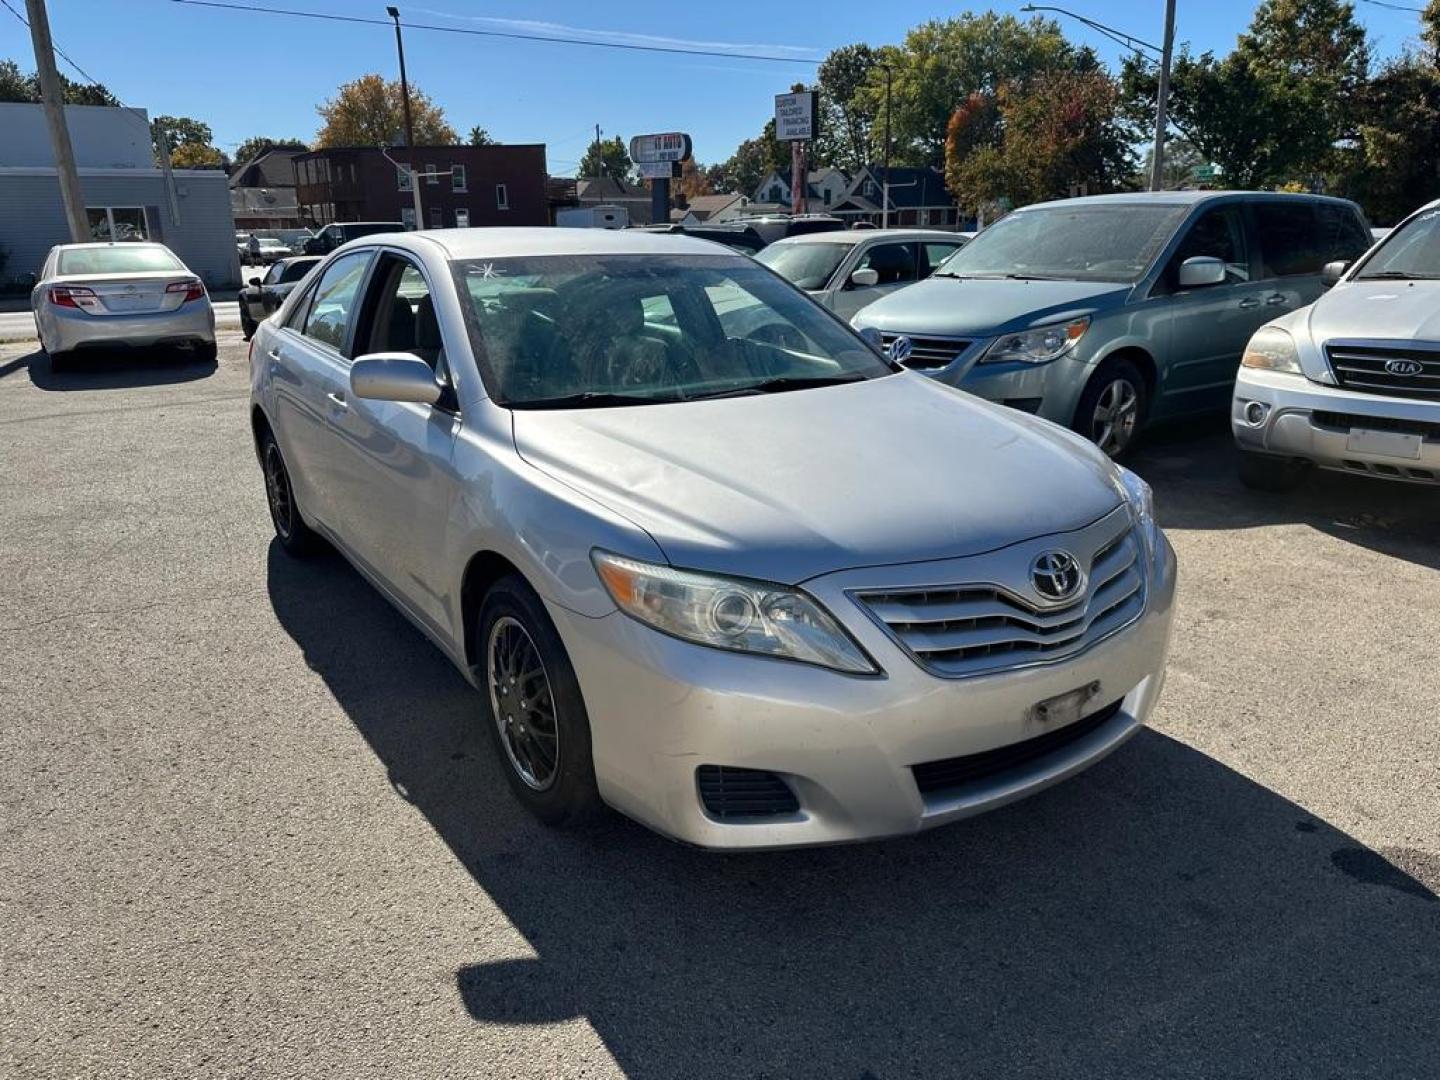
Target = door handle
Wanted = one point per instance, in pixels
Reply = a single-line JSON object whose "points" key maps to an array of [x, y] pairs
{"points": [[274, 354], [1250, 302], [1276, 299], [337, 399]]}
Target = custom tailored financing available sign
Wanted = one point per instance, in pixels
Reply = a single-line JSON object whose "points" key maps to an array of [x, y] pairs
{"points": [[795, 116]]}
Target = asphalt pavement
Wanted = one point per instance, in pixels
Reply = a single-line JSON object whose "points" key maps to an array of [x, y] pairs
{"points": [[252, 826]]}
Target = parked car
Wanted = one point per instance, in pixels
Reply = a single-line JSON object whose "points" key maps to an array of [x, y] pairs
{"points": [[750, 594], [267, 249], [847, 270], [262, 296], [1352, 382], [333, 235], [1104, 313], [242, 248], [778, 226], [745, 241], [105, 295]]}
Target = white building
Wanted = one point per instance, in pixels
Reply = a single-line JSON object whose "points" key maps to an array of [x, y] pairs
{"points": [[126, 196]]}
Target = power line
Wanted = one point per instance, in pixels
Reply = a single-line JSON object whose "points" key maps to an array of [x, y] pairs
{"points": [[58, 51], [1393, 7], [326, 17]]}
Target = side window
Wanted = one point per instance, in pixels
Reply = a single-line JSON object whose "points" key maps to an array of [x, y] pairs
{"points": [[1289, 238], [296, 270], [658, 310], [274, 274], [894, 262], [336, 295], [1342, 235], [932, 255], [1218, 234], [296, 319], [400, 314]]}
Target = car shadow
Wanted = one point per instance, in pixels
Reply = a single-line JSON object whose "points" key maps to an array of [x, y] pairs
{"points": [[1160, 915], [1192, 467], [113, 369]]}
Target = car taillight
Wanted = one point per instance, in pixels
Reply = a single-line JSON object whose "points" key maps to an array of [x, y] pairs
{"points": [[192, 289], [73, 296]]}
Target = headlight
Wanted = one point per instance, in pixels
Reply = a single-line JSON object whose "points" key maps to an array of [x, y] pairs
{"points": [[1142, 507], [730, 613], [1272, 349], [1037, 346]]}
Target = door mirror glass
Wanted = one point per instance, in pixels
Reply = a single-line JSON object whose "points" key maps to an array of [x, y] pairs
{"points": [[871, 336], [255, 281], [394, 377], [1333, 272], [864, 279], [1201, 271]]}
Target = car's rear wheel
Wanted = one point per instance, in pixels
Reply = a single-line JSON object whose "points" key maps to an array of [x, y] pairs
{"points": [[294, 535], [206, 351], [61, 360], [537, 715], [1113, 408], [1270, 472]]}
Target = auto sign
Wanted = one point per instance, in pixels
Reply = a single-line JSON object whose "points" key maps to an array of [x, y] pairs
{"points": [[670, 146]]}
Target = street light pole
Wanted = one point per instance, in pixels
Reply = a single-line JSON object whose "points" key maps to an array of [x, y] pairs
{"points": [[394, 13], [1157, 162], [53, 100]]}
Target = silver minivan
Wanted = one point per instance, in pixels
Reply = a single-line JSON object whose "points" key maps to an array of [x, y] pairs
{"points": [[1106, 312]]}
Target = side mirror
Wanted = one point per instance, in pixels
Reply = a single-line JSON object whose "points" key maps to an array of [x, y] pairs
{"points": [[871, 336], [863, 279], [1332, 272], [255, 281], [394, 376], [1201, 271]]}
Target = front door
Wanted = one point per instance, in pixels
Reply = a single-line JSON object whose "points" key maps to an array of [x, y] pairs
{"points": [[893, 262]]}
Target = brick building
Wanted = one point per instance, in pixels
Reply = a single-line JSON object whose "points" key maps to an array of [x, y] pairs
{"points": [[464, 186]]}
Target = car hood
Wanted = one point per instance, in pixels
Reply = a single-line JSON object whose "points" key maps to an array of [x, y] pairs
{"points": [[982, 307], [1403, 310], [789, 486]]}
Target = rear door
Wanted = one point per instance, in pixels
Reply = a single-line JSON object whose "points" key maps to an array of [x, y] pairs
{"points": [[895, 263]]}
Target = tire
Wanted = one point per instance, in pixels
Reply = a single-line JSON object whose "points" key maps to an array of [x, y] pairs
{"points": [[1269, 472], [206, 351], [1117, 384], [61, 361], [248, 326], [516, 637], [294, 535]]}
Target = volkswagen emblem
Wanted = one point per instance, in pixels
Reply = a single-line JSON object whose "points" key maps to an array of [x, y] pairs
{"points": [[1404, 367], [1056, 575], [900, 349]]}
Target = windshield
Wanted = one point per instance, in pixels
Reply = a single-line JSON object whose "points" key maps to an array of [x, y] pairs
{"points": [[806, 266], [1411, 251], [122, 259], [576, 331], [1110, 242]]}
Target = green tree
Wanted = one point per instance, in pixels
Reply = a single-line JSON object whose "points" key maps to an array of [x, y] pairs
{"points": [[189, 141], [848, 117], [17, 86], [256, 145], [479, 137], [606, 157], [197, 156], [753, 160], [371, 112]]}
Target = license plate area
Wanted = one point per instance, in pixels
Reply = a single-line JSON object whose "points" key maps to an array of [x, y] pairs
{"points": [[1056, 712], [1396, 444]]}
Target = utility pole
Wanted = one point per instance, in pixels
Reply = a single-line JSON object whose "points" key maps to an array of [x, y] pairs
{"points": [[1157, 163], [53, 99], [885, 187], [394, 13]]}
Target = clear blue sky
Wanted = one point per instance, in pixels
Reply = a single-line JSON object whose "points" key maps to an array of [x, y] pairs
{"points": [[247, 73]]}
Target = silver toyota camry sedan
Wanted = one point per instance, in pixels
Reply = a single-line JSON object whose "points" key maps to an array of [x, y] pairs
{"points": [[103, 295], [707, 556]]}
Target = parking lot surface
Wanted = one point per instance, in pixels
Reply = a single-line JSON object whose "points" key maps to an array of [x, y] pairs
{"points": [[252, 825]]}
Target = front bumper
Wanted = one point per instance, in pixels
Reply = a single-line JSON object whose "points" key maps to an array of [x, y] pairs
{"points": [[1314, 422], [660, 708], [66, 329], [1049, 390]]}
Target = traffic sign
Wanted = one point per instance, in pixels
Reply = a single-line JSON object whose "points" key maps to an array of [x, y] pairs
{"points": [[670, 146], [1206, 172], [797, 116]]}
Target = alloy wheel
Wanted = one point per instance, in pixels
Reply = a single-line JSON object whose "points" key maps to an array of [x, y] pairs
{"points": [[522, 703], [277, 491], [1117, 412]]}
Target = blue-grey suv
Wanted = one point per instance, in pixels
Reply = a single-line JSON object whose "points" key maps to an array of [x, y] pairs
{"points": [[1103, 313]]}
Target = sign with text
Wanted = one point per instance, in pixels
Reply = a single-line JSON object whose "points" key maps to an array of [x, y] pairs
{"points": [[649, 149], [659, 170], [796, 115]]}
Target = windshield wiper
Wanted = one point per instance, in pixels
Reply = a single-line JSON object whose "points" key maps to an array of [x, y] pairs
{"points": [[780, 385], [590, 399], [1396, 275]]}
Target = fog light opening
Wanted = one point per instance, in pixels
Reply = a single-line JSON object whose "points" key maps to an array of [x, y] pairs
{"points": [[1256, 412]]}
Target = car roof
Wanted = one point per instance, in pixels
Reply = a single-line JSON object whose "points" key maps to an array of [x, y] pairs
{"points": [[1181, 198], [111, 244], [507, 242], [855, 236]]}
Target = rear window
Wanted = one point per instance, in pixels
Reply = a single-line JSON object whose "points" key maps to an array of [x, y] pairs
{"points": [[121, 259], [1343, 236]]}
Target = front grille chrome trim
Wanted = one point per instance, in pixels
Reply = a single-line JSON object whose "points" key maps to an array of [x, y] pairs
{"points": [[1360, 366]]}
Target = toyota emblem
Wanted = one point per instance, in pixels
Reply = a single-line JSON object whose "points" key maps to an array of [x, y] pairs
{"points": [[1404, 367], [1056, 575]]}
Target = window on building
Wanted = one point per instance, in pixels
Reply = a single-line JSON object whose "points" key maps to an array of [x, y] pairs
{"points": [[117, 223], [457, 178], [462, 218], [432, 175], [502, 197], [922, 217], [437, 218], [407, 216], [402, 174]]}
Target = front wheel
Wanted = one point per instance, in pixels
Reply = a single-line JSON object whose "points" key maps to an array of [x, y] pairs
{"points": [[248, 326], [1112, 410], [1267, 472], [537, 716]]}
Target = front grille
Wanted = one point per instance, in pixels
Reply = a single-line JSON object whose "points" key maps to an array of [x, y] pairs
{"points": [[938, 776], [929, 353], [1362, 368], [961, 631], [1345, 421], [731, 794]]}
